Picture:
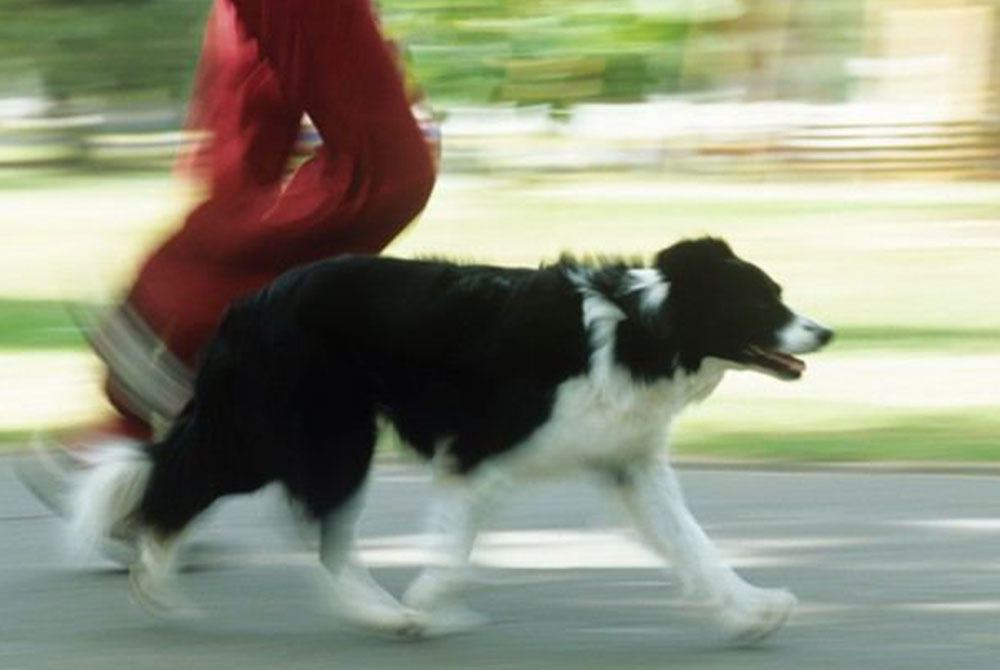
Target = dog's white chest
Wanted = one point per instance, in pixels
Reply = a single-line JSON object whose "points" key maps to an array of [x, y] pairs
{"points": [[589, 427], [610, 420]]}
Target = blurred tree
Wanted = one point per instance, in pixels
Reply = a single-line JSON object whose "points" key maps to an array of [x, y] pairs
{"points": [[103, 48], [474, 51], [566, 51], [557, 52]]}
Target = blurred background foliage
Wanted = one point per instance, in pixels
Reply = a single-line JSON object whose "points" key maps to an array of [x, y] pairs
{"points": [[568, 51], [83, 53]]}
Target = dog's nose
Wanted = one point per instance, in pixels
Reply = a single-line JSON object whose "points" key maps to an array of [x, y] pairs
{"points": [[824, 335]]}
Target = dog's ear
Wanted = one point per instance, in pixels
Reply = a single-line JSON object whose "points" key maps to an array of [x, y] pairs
{"points": [[674, 261]]}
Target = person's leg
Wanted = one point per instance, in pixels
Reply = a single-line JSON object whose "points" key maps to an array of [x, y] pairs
{"points": [[250, 127], [374, 172], [370, 178], [150, 343]]}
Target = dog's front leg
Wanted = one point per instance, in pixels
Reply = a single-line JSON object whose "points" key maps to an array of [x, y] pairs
{"points": [[458, 509], [653, 496]]}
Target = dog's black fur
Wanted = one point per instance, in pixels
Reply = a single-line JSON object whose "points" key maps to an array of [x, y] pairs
{"points": [[469, 356]]}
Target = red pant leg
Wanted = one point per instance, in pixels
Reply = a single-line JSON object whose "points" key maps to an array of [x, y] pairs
{"points": [[374, 172], [372, 176], [251, 126]]}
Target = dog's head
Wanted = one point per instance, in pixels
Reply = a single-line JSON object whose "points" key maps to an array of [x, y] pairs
{"points": [[724, 307]]}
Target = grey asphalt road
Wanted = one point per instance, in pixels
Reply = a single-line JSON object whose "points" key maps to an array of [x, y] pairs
{"points": [[892, 571]]}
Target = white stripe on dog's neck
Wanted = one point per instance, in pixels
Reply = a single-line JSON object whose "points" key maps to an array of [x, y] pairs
{"points": [[653, 287], [600, 319]]}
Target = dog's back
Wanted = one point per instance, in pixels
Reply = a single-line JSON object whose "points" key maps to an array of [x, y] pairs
{"points": [[289, 388]]}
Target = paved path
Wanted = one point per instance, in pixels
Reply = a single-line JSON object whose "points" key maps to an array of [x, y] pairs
{"points": [[893, 571]]}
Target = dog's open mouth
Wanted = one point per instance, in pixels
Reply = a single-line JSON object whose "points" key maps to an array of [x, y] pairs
{"points": [[782, 365]]}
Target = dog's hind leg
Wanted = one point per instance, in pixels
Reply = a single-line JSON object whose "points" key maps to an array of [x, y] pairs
{"points": [[189, 470], [353, 593], [653, 496], [458, 509], [118, 496], [170, 503]]}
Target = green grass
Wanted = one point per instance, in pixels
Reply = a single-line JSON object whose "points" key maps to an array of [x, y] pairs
{"points": [[48, 180], [910, 339], [933, 436], [37, 325]]}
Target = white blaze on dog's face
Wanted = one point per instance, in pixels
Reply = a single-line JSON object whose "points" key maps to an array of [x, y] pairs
{"points": [[802, 336], [726, 308]]}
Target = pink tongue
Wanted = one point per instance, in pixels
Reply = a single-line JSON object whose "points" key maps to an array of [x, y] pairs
{"points": [[792, 362], [788, 361]]}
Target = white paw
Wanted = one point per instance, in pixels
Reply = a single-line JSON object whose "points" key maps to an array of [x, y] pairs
{"points": [[452, 619], [395, 621], [360, 603], [157, 598], [435, 598], [433, 589], [751, 614]]}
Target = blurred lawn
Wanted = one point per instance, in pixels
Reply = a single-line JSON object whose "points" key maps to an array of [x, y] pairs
{"points": [[906, 272], [37, 324], [937, 436]]}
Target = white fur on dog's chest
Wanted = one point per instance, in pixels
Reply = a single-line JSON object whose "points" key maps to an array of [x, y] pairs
{"points": [[595, 423]]}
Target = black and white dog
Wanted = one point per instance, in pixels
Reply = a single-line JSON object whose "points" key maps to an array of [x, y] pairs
{"points": [[494, 375]]}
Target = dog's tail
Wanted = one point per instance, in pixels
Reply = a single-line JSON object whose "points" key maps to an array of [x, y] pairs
{"points": [[107, 498]]}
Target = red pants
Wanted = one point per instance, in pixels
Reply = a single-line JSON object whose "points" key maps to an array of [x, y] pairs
{"points": [[264, 64]]}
